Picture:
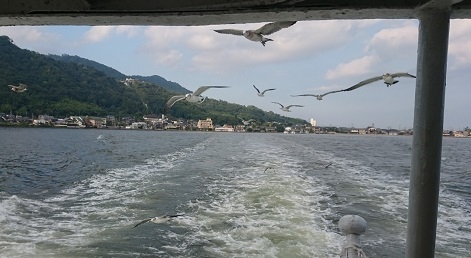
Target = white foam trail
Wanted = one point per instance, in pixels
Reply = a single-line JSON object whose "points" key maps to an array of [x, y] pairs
{"points": [[272, 214], [78, 215]]}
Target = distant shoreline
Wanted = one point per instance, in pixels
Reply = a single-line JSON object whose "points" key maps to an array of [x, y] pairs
{"points": [[206, 131]]}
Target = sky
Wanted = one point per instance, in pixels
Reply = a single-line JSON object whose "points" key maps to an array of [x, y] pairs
{"points": [[309, 57]]}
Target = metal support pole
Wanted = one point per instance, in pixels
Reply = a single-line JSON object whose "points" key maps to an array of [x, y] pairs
{"points": [[428, 129], [353, 226]]}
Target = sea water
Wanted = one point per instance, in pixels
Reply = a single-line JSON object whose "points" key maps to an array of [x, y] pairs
{"points": [[79, 193]]}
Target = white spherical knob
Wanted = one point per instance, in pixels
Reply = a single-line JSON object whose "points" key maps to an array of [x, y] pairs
{"points": [[352, 224]]}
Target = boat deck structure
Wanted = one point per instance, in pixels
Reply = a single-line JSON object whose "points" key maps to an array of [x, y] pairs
{"points": [[434, 22]]}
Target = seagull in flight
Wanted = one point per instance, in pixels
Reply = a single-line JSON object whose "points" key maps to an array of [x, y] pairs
{"points": [[194, 97], [258, 34], [388, 79], [286, 109], [20, 88], [247, 122], [262, 94], [159, 219], [319, 97]]}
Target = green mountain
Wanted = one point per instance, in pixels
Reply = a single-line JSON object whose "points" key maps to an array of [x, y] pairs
{"points": [[64, 88], [89, 63], [169, 85]]}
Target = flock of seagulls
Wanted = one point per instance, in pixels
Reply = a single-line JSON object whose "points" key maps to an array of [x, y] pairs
{"points": [[258, 35], [195, 97], [388, 79]]}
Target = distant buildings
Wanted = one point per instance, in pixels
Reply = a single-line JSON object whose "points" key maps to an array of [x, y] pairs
{"points": [[313, 122], [205, 125], [224, 128], [160, 122]]}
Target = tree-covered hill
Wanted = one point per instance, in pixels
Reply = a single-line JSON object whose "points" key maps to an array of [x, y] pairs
{"points": [[169, 85], [63, 88], [89, 63]]}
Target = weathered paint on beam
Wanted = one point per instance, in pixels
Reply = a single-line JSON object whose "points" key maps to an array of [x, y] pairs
{"points": [[200, 18], [428, 127], [207, 12]]}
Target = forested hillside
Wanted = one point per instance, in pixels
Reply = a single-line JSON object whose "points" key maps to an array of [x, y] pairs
{"points": [[171, 86], [63, 88]]}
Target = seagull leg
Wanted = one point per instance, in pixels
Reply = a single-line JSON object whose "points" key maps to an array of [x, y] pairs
{"points": [[265, 40]]}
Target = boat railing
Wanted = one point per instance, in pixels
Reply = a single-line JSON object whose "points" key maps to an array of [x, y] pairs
{"points": [[352, 226]]}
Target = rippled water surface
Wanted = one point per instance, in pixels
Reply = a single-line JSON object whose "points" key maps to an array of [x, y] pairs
{"points": [[79, 193]]}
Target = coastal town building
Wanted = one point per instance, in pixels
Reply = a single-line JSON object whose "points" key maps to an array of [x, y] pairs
{"points": [[160, 122], [205, 125], [224, 128]]}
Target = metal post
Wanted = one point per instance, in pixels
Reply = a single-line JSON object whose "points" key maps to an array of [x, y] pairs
{"points": [[428, 128], [352, 226]]}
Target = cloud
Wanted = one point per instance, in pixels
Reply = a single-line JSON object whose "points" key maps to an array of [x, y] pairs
{"points": [[170, 58], [460, 44], [203, 49], [37, 38], [97, 34], [164, 44], [25, 34], [100, 33], [388, 48], [203, 42], [303, 40], [358, 66], [159, 37], [129, 31], [393, 39]]}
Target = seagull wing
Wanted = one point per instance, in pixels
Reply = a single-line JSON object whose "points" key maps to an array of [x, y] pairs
{"points": [[277, 103], [231, 31], [256, 89], [12, 86], [330, 92], [173, 216], [172, 100], [273, 27], [294, 106], [267, 90], [363, 83], [22, 86], [402, 75], [142, 222], [304, 95], [204, 88]]}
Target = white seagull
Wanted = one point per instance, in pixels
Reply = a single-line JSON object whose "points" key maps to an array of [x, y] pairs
{"points": [[20, 88], [286, 109], [258, 34], [159, 219], [194, 97], [388, 79], [262, 94], [319, 97], [247, 122]]}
